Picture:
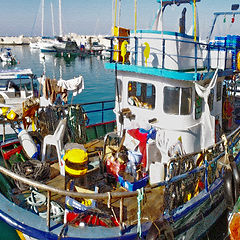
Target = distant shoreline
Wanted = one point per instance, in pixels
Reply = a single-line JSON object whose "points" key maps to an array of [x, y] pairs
{"points": [[79, 39]]}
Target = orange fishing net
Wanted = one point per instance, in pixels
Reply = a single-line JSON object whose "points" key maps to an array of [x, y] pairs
{"points": [[235, 227]]}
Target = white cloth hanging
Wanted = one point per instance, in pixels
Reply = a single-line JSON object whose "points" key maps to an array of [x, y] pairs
{"points": [[208, 121], [76, 85]]}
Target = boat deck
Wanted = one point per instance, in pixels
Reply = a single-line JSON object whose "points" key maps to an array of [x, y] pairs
{"points": [[152, 203], [151, 206]]}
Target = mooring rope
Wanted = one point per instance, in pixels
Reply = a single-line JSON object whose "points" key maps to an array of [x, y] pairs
{"points": [[139, 199]]}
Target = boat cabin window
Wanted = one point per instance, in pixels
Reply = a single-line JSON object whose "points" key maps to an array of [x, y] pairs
{"points": [[141, 95], [198, 106], [119, 90], [177, 101], [219, 91]]}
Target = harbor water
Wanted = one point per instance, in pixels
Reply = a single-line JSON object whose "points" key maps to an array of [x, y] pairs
{"points": [[99, 82], [99, 85]]}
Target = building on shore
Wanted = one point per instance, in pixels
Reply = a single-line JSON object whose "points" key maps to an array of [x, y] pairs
{"points": [[16, 40]]}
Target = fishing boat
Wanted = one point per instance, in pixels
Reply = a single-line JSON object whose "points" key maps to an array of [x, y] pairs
{"points": [[16, 87], [106, 53], [165, 167], [7, 57], [94, 48]]}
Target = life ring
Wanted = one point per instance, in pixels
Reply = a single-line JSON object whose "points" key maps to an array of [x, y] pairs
{"points": [[161, 228], [236, 181], [238, 61], [228, 188]]}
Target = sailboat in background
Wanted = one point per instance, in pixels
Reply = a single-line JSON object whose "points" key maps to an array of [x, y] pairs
{"points": [[54, 44], [49, 44], [65, 46]]}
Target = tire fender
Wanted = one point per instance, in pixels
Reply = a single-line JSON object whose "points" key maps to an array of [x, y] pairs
{"points": [[160, 227], [236, 181], [228, 188]]}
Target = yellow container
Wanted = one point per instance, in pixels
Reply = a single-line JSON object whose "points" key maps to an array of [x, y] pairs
{"points": [[76, 162]]}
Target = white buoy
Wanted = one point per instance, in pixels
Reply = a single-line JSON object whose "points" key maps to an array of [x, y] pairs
{"points": [[28, 144]]}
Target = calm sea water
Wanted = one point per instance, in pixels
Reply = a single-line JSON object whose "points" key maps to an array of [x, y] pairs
{"points": [[99, 85], [99, 82]]}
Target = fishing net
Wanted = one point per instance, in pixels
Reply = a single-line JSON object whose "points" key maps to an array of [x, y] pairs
{"points": [[76, 124], [49, 117], [31, 169]]}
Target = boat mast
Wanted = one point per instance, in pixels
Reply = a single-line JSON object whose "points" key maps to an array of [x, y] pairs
{"points": [[53, 30], [113, 4], [135, 16], [42, 15], [60, 18], [119, 13]]}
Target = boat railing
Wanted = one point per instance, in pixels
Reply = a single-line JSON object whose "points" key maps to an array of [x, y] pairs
{"points": [[86, 121], [194, 172], [104, 109], [96, 112], [200, 171], [166, 53]]}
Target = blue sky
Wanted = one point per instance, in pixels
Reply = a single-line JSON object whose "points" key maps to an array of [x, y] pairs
{"points": [[95, 16]]}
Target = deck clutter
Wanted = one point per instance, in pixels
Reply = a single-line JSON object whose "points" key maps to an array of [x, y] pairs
{"points": [[167, 165]]}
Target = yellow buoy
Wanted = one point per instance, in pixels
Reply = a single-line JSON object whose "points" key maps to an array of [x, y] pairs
{"points": [[238, 61]]}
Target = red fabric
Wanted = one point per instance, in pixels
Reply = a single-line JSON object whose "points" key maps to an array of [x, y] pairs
{"points": [[142, 137], [89, 219], [114, 167]]}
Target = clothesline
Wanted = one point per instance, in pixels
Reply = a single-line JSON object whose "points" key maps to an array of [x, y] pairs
{"points": [[52, 87]]}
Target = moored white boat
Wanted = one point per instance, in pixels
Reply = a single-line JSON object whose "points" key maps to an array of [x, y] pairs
{"points": [[7, 57], [34, 45], [16, 86], [47, 45]]}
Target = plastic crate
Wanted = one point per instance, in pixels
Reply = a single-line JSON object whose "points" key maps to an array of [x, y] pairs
{"points": [[220, 41], [133, 186], [233, 41], [237, 121]]}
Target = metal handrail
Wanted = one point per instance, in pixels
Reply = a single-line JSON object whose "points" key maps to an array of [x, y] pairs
{"points": [[197, 45], [101, 109]]}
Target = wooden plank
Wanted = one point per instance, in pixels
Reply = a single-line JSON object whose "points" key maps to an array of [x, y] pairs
{"points": [[83, 190], [57, 182], [151, 207]]}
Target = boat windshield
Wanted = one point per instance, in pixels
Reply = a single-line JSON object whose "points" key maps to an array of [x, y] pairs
{"points": [[24, 84], [177, 100]]}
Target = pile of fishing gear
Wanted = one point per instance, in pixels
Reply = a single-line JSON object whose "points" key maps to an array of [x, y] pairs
{"points": [[31, 169]]}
